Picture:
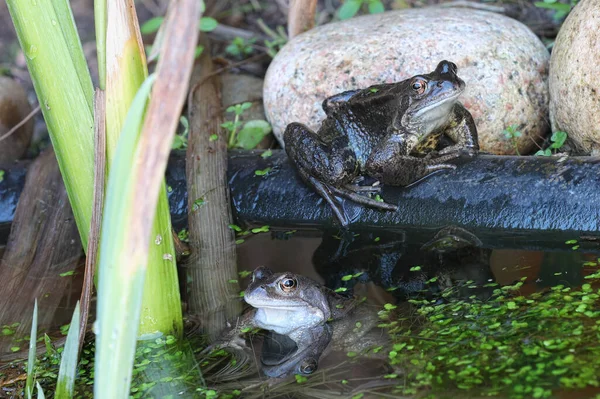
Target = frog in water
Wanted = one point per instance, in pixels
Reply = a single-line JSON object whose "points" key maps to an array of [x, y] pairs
{"points": [[292, 306], [378, 132]]}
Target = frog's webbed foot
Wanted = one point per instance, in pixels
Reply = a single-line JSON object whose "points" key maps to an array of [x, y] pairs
{"points": [[325, 191], [459, 149], [363, 200]]}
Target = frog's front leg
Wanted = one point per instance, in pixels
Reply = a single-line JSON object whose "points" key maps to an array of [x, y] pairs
{"points": [[310, 345], [462, 131], [390, 163], [231, 337]]}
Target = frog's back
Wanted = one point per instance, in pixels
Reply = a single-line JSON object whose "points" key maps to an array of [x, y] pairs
{"points": [[361, 117]]}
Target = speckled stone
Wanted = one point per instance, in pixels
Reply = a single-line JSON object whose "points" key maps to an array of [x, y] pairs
{"points": [[575, 77], [504, 65]]}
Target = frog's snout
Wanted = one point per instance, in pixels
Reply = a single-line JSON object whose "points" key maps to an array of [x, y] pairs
{"points": [[447, 67]]}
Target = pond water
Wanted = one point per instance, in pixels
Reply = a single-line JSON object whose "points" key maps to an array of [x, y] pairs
{"points": [[447, 325]]}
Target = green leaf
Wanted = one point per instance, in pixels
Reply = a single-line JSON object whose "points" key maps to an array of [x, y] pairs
{"points": [[349, 9], [252, 133], [563, 8], [544, 153], [32, 351], [179, 142], [558, 139], [40, 391], [207, 24], [266, 154], [68, 363], [235, 227], [263, 229], [376, 7], [347, 277], [198, 51], [152, 25], [262, 172]]}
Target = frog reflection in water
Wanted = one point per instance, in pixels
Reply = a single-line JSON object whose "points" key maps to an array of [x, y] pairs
{"points": [[380, 132], [293, 306]]}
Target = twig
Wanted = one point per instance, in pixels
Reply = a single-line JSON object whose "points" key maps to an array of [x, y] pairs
{"points": [[226, 32], [473, 5], [226, 68], [18, 125], [301, 16], [94, 237]]}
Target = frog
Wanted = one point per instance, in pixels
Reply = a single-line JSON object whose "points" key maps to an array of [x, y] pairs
{"points": [[380, 132], [292, 306]]}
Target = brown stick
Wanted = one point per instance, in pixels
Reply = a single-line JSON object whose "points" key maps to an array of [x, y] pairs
{"points": [[301, 16], [94, 237], [211, 241]]}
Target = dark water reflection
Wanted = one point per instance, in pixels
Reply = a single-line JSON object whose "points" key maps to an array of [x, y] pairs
{"points": [[390, 260]]}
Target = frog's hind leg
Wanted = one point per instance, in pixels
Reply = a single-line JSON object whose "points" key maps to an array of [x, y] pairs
{"points": [[321, 164], [329, 167]]}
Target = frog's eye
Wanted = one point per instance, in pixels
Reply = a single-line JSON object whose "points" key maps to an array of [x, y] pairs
{"points": [[288, 284], [308, 366], [419, 86]]}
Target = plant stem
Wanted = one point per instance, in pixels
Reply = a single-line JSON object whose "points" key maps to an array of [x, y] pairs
{"points": [[233, 133]]}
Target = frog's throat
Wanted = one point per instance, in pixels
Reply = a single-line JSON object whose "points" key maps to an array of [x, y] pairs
{"points": [[435, 104]]}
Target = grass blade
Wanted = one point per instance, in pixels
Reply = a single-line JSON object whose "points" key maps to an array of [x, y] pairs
{"points": [[48, 37], [126, 70], [68, 362], [121, 281], [40, 391], [32, 352]]}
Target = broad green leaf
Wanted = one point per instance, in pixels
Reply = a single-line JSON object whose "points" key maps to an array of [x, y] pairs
{"points": [[349, 9], [376, 7], [558, 139], [151, 25], [207, 24], [252, 133]]}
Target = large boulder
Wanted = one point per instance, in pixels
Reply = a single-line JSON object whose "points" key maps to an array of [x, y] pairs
{"points": [[575, 78], [504, 65]]}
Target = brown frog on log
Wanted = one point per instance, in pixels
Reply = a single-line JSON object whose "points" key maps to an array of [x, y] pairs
{"points": [[379, 132]]}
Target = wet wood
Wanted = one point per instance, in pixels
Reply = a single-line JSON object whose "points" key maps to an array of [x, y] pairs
{"points": [[213, 262], [43, 244]]}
